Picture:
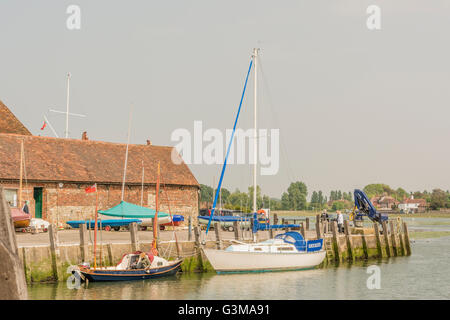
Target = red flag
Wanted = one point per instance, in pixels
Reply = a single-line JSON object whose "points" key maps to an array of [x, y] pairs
{"points": [[44, 125], [91, 189]]}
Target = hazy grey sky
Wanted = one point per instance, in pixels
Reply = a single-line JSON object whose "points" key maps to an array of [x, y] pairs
{"points": [[354, 106]]}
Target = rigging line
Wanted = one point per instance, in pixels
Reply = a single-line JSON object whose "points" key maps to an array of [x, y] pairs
{"points": [[277, 123], [170, 212], [229, 148]]}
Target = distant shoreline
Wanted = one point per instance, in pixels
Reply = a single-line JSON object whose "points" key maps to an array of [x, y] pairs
{"points": [[303, 213]]}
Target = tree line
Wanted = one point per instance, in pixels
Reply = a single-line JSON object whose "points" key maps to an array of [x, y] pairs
{"points": [[295, 198]]}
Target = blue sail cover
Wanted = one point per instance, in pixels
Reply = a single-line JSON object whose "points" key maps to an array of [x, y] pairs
{"points": [[130, 210]]}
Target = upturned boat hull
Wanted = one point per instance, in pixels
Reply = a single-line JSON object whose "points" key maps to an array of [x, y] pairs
{"points": [[227, 261], [130, 275]]}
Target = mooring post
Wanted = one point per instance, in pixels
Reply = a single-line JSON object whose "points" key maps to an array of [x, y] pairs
{"points": [[236, 230], [302, 230], [190, 228], [365, 247], [83, 242], [197, 236], [134, 236], [12, 275], [53, 249], [110, 255], [386, 239], [393, 228], [378, 240], [351, 256], [217, 232], [336, 241], [275, 218], [307, 223], [271, 233], [318, 227], [407, 243]]}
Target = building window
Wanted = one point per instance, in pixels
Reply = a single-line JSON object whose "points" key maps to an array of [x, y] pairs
{"points": [[11, 197]]}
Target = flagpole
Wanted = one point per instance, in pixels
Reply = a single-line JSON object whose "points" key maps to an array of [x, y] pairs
{"points": [[95, 227]]}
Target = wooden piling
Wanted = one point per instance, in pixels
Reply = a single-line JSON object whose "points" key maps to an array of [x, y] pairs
{"points": [[134, 237], [407, 242], [217, 232], [53, 249], [190, 228], [337, 253], [319, 233], [351, 255], [12, 276], [271, 233], [236, 230], [197, 236], [386, 239], [83, 243], [110, 255], [365, 248], [393, 238], [302, 230], [307, 223], [378, 240], [275, 218]]}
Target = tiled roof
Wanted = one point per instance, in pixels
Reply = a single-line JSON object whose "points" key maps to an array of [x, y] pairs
{"points": [[72, 160], [419, 201], [9, 123]]}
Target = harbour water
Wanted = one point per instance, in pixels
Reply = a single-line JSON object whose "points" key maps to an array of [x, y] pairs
{"points": [[423, 275]]}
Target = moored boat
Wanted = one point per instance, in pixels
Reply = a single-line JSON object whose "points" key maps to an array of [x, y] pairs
{"points": [[287, 251], [20, 219], [128, 269]]}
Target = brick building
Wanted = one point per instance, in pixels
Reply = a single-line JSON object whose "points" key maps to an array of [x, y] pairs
{"points": [[384, 202], [57, 171]]}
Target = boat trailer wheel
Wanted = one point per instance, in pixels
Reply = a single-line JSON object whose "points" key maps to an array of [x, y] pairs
{"points": [[107, 228]]}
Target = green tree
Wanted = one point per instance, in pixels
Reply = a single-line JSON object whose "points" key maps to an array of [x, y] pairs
{"points": [[438, 199], [378, 189], [297, 193], [206, 193], [285, 205]]}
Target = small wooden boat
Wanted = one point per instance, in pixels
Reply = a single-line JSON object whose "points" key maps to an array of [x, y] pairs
{"points": [[127, 269], [21, 219]]}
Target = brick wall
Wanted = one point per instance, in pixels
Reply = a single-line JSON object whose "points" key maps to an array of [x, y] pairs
{"points": [[71, 202]]}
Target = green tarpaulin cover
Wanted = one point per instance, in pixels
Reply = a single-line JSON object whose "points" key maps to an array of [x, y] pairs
{"points": [[129, 210]]}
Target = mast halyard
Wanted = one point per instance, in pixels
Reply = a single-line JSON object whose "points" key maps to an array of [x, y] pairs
{"points": [[67, 105], [255, 130], [155, 219], [126, 154]]}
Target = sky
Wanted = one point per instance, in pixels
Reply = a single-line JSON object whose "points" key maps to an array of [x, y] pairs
{"points": [[354, 106]]}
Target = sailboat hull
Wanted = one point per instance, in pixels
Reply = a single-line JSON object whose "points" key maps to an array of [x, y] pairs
{"points": [[130, 275], [228, 261]]}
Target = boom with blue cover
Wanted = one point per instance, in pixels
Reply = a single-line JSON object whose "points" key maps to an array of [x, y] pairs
{"points": [[366, 207]]}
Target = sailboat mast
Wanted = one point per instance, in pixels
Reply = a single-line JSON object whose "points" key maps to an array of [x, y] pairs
{"points": [[21, 174], [67, 105], [155, 219], [255, 132], [126, 154]]}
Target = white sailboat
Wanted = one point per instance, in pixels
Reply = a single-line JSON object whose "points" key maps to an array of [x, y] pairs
{"points": [[287, 251]]}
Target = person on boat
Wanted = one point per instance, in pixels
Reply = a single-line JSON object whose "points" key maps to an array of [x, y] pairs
{"points": [[340, 221], [143, 262], [25, 207]]}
